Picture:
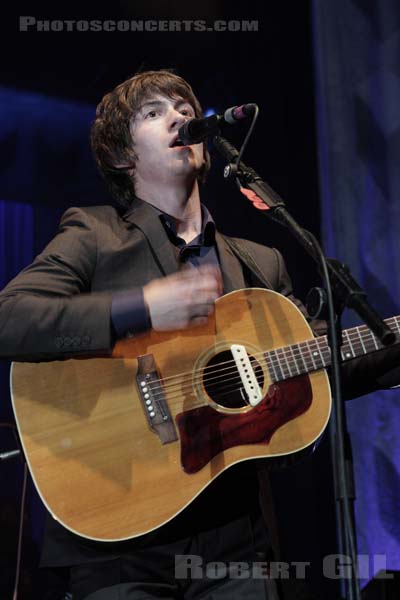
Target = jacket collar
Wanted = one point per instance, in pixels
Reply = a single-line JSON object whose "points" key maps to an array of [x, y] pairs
{"points": [[146, 218], [232, 272]]}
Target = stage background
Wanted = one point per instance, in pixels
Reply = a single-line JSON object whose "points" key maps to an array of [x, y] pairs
{"points": [[356, 52], [49, 89]]}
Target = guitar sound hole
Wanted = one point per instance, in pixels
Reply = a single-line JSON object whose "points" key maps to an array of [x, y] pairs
{"points": [[222, 381]]}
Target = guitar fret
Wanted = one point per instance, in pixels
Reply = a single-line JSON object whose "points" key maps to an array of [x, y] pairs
{"points": [[295, 361], [396, 320], [370, 341], [361, 339], [270, 362], [365, 340], [306, 356], [374, 340], [354, 341], [280, 377], [286, 361], [311, 355], [325, 359], [301, 369], [318, 353], [345, 352], [282, 365]]}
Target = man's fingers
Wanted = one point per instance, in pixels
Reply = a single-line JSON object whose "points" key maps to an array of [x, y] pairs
{"points": [[199, 321], [201, 310], [183, 299], [203, 273]]}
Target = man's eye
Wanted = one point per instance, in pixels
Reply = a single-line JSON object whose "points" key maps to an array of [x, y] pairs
{"points": [[151, 114], [187, 112]]}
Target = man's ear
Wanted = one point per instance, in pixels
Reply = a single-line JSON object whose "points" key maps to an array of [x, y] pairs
{"points": [[127, 167]]}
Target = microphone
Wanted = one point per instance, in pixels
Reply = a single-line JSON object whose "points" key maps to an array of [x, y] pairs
{"points": [[197, 130]]}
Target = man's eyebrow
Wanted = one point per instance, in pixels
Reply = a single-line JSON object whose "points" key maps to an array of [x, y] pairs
{"points": [[152, 103], [162, 103]]}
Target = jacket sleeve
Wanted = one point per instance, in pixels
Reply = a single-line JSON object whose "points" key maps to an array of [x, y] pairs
{"points": [[48, 310], [378, 370]]}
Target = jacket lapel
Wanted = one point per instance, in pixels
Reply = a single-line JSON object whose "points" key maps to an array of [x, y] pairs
{"points": [[232, 272], [145, 217]]}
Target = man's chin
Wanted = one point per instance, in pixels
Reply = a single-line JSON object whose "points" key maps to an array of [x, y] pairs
{"points": [[186, 165]]}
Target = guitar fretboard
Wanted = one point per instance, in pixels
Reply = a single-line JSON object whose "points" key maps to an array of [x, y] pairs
{"points": [[311, 355]]}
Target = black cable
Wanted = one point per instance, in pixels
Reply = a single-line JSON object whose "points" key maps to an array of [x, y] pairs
{"points": [[20, 532], [5, 456], [338, 407]]}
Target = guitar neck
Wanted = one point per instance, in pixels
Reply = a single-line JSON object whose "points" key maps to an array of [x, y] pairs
{"points": [[315, 354]]}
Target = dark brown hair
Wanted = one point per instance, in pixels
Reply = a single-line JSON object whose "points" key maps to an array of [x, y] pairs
{"points": [[111, 136]]}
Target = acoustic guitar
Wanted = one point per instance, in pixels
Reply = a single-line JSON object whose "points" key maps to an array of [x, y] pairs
{"points": [[118, 446]]}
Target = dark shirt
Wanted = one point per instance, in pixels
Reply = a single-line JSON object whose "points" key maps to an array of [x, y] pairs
{"points": [[201, 250]]}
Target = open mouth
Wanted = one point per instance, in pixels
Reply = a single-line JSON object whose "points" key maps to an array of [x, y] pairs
{"points": [[176, 143]]}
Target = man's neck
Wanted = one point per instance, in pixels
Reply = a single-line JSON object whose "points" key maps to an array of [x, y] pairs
{"points": [[181, 204]]}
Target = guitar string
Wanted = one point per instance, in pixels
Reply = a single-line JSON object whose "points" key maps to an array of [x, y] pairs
{"points": [[158, 392], [229, 388], [287, 353], [235, 378], [190, 380], [185, 385], [318, 342], [189, 385], [178, 394], [197, 403], [234, 381]]}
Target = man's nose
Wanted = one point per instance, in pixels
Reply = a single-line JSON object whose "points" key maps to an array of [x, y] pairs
{"points": [[177, 119]]}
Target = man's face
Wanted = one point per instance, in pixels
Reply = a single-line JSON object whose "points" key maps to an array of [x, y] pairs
{"points": [[155, 131]]}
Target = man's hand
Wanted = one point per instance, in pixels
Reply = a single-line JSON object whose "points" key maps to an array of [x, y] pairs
{"points": [[183, 299]]}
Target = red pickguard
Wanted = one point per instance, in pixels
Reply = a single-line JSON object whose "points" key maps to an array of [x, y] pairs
{"points": [[205, 432]]}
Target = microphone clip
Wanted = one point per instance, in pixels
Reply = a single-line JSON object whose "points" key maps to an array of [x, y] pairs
{"points": [[230, 171], [245, 174]]}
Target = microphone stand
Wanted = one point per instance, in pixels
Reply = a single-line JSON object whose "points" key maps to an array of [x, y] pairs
{"points": [[347, 294]]}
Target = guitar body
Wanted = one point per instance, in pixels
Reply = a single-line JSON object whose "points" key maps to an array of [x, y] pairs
{"points": [[99, 467]]}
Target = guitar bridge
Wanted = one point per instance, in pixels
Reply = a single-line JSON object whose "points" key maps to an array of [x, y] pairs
{"points": [[153, 400]]}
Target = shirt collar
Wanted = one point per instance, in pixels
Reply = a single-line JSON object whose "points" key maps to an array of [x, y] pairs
{"points": [[205, 238]]}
